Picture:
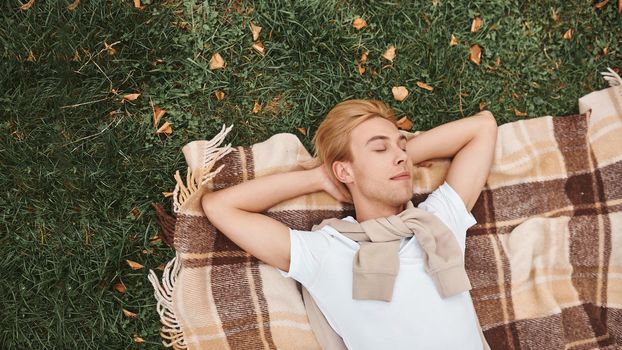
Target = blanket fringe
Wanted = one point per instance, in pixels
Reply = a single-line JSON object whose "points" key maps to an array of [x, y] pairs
{"points": [[612, 77], [163, 292], [211, 154]]}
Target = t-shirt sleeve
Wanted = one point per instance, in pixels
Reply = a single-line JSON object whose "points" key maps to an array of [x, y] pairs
{"points": [[307, 249], [447, 205]]}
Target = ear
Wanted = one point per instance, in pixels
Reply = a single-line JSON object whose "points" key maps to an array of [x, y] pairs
{"points": [[343, 171]]}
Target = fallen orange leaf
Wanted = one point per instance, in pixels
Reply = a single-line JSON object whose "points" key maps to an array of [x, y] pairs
{"points": [[134, 265], [255, 30], [362, 62], [128, 313], [31, 56], [130, 97], [161, 267], [424, 86], [216, 62], [74, 5], [498, 61], [167, 194], [137, 4], [135, 212], [111, 50], [219, 95], [482, 105], [258, 46], [568, 34], [476, 24], [165, 129], [389, 54], [519, 113], [601, 4], [157, 115], [148, 251], [302, 130], [27, 5], [606, 48], [359, 23], [399, 93], [155, 239], [120, 287], [404, 123], [256, 107], [138, 339], [475, 54], [453, 41]]}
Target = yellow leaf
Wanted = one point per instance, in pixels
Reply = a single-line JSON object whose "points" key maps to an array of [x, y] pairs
{"points": [[31, 56], [476, 24], [128, 313], [601, 4], [404, 123], [138, 339], [165, 129], [74, 5], [27, 5], [424, 86], [216, 62], [258, 46], [255, 30], [134, 265], [137, 4], [256, 107], [453, 41], [120, 287], [568, 34], [302, 130], [359, 23], [399, 93], [167, 194], [475, 54], [157, 115], [130, 97], [389, 54], [519, 113], [219, 95], [482, 105]]}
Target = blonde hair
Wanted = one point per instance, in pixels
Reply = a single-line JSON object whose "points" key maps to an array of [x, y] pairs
{"points": [[332, 138]]}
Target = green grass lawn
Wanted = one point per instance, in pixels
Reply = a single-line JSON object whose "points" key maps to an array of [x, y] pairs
{"points": [[81, 165]]}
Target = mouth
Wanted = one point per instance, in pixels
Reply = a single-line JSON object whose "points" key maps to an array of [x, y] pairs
{"points": [[401, 176]]}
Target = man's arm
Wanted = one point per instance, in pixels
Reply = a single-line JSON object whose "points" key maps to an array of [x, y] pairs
{"points": [[235, 211], [471, 143]]}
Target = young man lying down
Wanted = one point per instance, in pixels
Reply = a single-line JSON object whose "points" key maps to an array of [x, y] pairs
{"points": [[393, 276]]}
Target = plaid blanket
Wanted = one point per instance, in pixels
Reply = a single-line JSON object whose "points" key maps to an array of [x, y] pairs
{"points": [[544, 259]]}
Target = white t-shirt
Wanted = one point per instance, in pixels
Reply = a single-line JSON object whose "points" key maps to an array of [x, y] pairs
{"points": [[416, 317]]}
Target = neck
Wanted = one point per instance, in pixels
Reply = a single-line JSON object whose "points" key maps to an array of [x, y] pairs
{"points": [[368, 210]]}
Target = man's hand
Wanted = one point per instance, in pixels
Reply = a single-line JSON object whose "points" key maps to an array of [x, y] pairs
{"points": [[322, 173]]}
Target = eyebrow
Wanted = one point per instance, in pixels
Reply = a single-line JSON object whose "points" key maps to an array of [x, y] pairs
{"points": [[382, 137]]}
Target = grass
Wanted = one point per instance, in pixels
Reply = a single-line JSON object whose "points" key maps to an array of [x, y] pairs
{"points": [[80, 166]]}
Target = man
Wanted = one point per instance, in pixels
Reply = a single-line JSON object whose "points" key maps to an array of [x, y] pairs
{"points": [[365, 160]]}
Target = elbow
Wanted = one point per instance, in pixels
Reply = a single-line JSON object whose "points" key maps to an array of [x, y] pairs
{"points": [[488, 118], [208, 204]]}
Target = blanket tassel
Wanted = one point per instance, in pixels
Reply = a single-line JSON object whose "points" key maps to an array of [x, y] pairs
{"points": [[163, 292]]}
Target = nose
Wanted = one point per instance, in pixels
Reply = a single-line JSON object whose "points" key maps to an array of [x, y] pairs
{"points": [[401, 157]]}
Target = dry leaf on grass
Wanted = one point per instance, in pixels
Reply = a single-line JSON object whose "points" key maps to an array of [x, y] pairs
{"points": [[134, 265], [129, 313], [453, 41], [476, 24], [155, 239], [359, 23], [399, 93], [568, 34], [31, 56], [120, 287], [601, 4], [498, 61], [130, 97], [27, 5], [256, 107], [165, 129], [475, 54], [302, 131], [167, 194], [606, 48], [135, 213], [138, 339], [258, 46], [74, 5], [360, 66], [161, 267], [404, 123], [255, 30], [482, 105], [157, 115], [424, 86], [519, 113], [219, 95], [216, 62], [137, 4], [111, 50], [389, 54]]}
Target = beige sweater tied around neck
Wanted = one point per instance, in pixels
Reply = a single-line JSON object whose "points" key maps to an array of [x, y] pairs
{"points": [[377, 263]]}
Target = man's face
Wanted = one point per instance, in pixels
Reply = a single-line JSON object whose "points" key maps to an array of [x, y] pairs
{"points": [[378, 151]]}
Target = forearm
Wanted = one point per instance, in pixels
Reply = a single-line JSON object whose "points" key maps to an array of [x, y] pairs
{"points": [[262, 193], [445, 140]]}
